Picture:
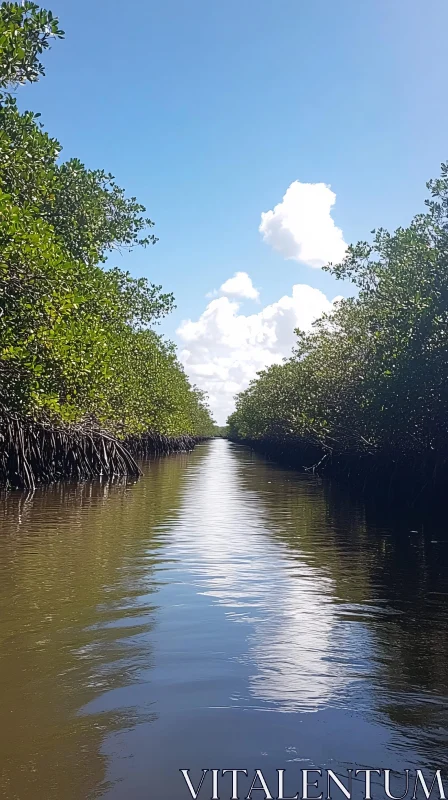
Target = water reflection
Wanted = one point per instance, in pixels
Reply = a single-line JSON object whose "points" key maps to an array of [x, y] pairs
{"points": [[77, 599], [226, 542], [390, 594], [216, 588]]}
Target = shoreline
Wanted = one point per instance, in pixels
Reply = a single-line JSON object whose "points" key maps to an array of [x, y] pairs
{"points": [[40, 452], [387, 477]]}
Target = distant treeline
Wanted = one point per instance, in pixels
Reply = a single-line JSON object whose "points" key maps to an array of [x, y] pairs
{"points": [[365, 393], [77, 346], [221, 431]]}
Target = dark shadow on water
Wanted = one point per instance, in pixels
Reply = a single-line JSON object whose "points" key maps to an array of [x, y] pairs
{"points": [[390, 576]]}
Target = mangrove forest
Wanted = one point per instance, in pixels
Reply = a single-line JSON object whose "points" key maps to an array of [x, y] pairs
{"points": [[364, 395], [86, 382]]}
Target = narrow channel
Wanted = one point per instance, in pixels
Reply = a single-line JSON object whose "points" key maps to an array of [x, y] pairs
{"points": [[222, 612]]}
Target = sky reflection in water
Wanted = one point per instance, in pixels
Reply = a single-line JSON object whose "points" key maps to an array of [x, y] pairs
{"points": [[155, 626]]}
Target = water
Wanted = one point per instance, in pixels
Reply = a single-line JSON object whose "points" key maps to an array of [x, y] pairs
{"points": [[222, 612]]}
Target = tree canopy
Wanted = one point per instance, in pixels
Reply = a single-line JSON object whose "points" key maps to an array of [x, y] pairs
{"points": [[25, 32], [77, 336], [371, 376]]}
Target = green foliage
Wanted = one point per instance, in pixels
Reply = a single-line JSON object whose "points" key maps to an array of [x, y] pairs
{"points": [[25, 31], [371, 376], [75, 338], [221, 431], [86, 208]]}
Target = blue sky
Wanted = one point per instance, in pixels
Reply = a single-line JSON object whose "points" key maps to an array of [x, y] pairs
{"points": [[207, 111]]}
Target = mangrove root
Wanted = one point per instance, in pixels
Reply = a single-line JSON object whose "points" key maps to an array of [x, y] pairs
{"points": [[37, 451]]}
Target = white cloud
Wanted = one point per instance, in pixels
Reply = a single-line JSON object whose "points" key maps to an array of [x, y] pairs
{"points": [[240, 286], [223, 350], [301, 227]]}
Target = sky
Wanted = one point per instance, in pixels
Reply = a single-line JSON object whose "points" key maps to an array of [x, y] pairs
{"points": [[262, 137]]}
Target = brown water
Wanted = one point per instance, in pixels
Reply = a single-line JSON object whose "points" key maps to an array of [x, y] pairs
{"points": [[220, 613]]}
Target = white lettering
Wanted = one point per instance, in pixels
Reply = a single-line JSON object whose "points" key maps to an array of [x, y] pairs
{"points": [[387, 785], [264, 787], [235, 780], [332, 777], [281, 787], [306, 785], [194, 792], [368, 772], [437, 777]]}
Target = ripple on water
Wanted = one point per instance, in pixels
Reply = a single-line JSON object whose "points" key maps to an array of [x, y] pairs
{"points": [[220, 610]]}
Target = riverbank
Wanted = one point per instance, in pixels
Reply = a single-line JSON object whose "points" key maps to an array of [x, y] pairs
{"points": [[385, 477], [157, 444], [36, 452]]}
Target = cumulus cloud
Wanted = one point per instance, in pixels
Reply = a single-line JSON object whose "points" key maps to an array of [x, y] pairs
{"points": [[239, 286], [301, 226], [224, 349]]}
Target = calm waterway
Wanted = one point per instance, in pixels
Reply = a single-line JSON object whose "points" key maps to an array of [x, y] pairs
{"points": [[222, 612]]}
